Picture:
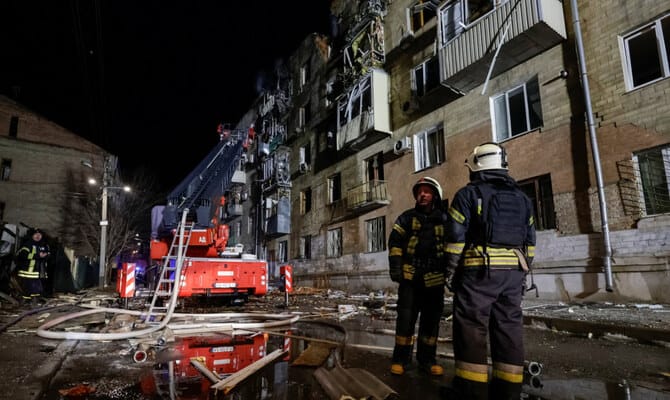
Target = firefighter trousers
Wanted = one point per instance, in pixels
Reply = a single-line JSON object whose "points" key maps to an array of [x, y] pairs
{"points": [[487, 306], [416, 301]]}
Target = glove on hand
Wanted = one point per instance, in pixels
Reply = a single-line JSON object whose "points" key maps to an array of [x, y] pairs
{"points": [[395, 272]]}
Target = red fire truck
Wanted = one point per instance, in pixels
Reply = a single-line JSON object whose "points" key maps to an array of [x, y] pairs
{"points": [[203, 202]]}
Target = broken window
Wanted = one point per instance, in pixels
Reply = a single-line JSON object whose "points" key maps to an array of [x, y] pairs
{"points": [[376, 234], [646, 53], [334, 189], [334, 245], [455, 16], [541, 196], [420, 13]]}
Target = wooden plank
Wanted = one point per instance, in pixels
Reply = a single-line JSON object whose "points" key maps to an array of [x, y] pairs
{"points": [[227, 384]]}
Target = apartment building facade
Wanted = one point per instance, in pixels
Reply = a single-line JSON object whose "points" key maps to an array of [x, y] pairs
{"points": [[45, 171], [407, 88]]}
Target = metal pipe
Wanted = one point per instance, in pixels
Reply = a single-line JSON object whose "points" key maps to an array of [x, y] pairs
{"points": [[594, 148]]}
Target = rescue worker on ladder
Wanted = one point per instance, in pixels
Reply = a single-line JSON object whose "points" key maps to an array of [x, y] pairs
{"points": [[416, 262], [490, 244]]}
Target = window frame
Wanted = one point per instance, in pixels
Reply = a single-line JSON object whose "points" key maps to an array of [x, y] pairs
{"points": [[643, 175], [305, 200], [419, 14], [375, 234], [532, 101], [334, 243], [305, 248], [334, 188], [662, 46], [539, 191], [428, 148], [425, 77]]}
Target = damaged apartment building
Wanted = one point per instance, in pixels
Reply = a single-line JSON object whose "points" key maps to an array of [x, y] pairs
{"points": [[576, 91]]}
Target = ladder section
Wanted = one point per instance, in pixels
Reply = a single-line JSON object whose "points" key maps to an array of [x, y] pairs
{"points": [[167, 286]]}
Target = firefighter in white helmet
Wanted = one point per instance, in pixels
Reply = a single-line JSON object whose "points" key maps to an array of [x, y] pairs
{"points": [[416, 263], [490, 236]]}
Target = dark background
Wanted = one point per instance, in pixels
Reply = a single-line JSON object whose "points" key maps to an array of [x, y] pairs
{"points": [[148, 80]]}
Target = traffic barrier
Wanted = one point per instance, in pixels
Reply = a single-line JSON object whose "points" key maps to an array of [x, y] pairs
{"points": [[125, 283]]}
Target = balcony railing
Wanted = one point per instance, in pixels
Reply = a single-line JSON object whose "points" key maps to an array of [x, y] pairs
{"points": [[359, 200], [525, 27]]}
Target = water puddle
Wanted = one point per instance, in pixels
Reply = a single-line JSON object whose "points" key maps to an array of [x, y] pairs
{"points": [[305, 367]]}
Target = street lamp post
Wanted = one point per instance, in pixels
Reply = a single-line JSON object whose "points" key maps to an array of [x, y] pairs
{"points": [[102, 282], [103, 239]]}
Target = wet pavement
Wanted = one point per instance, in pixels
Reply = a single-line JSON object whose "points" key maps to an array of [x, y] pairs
{"points": [[584, 350]]}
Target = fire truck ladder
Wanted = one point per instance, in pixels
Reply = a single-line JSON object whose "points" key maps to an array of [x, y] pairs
{"points": [[170, 275]]}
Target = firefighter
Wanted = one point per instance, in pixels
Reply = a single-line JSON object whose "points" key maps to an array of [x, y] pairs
{"points": [[490, 238], [31, 265], [416, 263]]}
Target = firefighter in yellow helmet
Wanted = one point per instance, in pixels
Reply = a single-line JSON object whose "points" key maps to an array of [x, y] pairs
{"points": [[490, 236], [416, 263]]}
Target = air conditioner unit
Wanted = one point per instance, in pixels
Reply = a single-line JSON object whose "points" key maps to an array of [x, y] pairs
{"points": [[303, 167], [403, 146]]}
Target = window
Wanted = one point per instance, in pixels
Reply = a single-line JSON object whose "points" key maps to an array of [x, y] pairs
{"points": [[428, 148], [306, 154], [455, 16], [374, 168], [283, 251], [13, 126], [646, 53], [376, 234], [305, 247], [2, 210], [358, 101], [540, 194], [334, 246], [420, 13], [5, 169], [653, 167], [426, 77], [305, 201], [334, 189], [304, 75], [516, 111]]}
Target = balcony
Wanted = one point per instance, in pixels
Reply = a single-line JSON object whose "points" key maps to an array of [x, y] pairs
{"points": [[529, 27], [360, 200], [364, 113]]}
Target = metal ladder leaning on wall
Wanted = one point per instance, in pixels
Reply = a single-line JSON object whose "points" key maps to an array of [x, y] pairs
{"points": [[170, 275]]}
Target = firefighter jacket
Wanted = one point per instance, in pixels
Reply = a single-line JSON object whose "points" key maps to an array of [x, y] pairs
{"points": [[468, 239], [416, 247], [28, 261]]}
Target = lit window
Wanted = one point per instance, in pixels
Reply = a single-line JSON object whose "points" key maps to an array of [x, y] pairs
{"points": [[646, 53], [420, 13], [516, 111]]}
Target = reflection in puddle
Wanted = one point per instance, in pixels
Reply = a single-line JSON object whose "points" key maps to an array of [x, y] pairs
{"points": [[189, 367]]}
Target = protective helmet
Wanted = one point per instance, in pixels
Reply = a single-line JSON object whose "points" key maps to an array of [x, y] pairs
{"points": [[487, 156], [428, 181]]}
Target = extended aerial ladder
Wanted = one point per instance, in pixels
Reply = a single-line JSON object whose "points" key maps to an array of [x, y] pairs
{"points": [[208, 267]]}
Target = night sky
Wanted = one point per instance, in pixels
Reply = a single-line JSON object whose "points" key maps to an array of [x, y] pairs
{"points": [[148, 80]]}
